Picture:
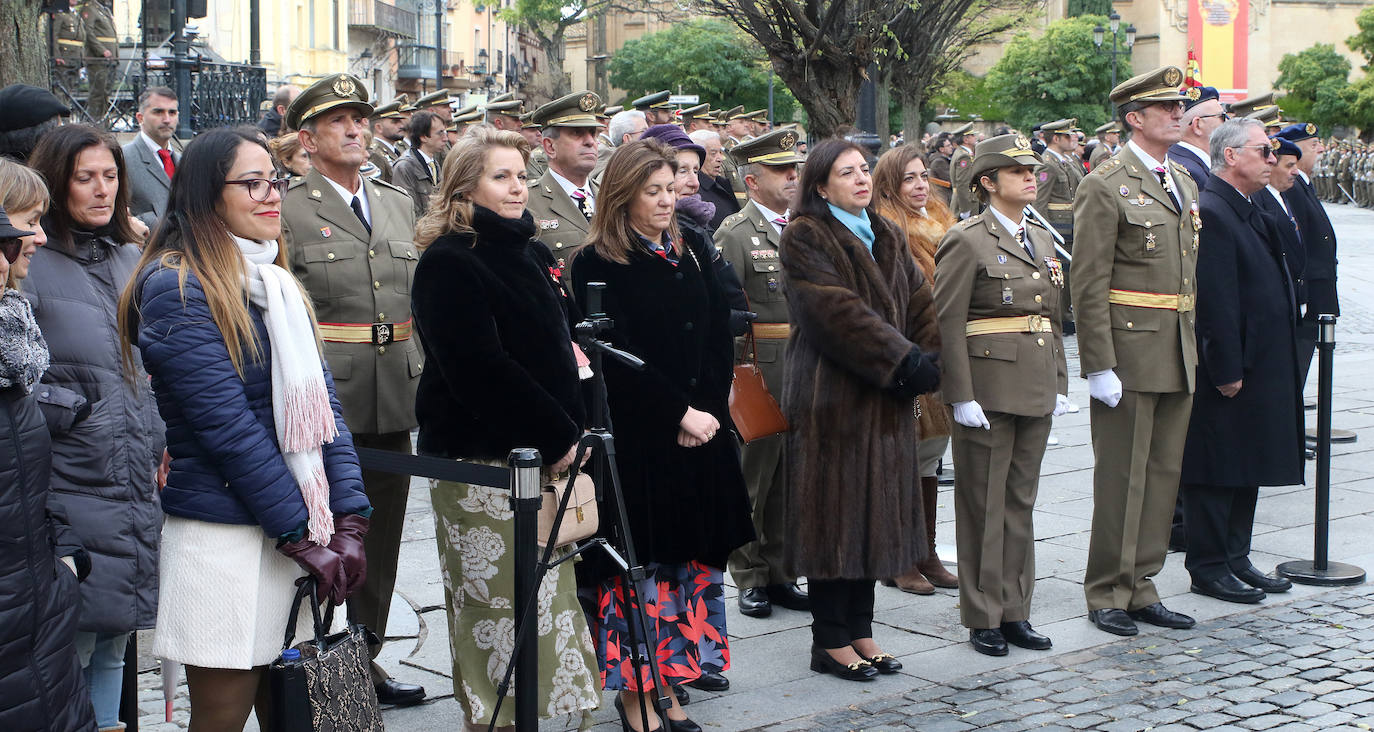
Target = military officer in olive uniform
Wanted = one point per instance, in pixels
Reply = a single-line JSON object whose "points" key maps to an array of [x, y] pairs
{"points": [[656, 108], [68, 49], [1108, 143], [1136, 224], [563, 199], [388, 126], [962, 204], [1056, 182], [102, 52], [997, 287], [749, 241], [352, 247]]}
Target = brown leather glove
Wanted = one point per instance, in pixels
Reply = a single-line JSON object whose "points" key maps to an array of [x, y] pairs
{"points": [[349, 530], [324, 564]]}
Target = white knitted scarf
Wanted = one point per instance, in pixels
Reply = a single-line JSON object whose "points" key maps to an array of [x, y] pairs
{"points": [[300, 400]]}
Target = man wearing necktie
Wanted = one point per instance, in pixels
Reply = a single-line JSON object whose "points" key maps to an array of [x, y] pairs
{"points": [[749, 241], [1318, 238], [351, 243], [149, 157], [563, 199], [1272, 201], [417, 170], [1136, 238]]}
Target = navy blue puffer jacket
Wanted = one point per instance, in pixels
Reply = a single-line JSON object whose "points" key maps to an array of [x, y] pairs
{"points": [[226, 467]]}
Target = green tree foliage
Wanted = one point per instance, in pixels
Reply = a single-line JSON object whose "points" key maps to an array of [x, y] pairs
{"points": [[1363, 41], [1315, 79], [1056, 75], [968, 95], [707, 57], [1089, 7]]}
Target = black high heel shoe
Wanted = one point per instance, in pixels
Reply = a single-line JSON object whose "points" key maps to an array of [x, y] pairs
{"points": [[625, 721], [823, 663], [886, 663]]}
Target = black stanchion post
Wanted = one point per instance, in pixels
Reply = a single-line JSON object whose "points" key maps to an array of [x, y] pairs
{"points": [[524, 491], [128, 697], [1319, 571]]}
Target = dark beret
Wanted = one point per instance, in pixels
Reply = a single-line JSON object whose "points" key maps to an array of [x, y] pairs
{"points": [[24, 106]]}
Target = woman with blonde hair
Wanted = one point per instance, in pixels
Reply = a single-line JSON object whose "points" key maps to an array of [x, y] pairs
{"points": [[290, 155], [502, 373], [675, 446], [265, 487], [901, 190], [24, 196]]}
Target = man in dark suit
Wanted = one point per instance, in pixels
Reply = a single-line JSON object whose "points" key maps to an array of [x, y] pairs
{"points": [[149, 157], [1202, 114], [1246, 425], [1319, 240], [417, 170], [1272, 201]]}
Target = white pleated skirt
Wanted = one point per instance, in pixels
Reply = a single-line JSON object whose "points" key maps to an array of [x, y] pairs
{"points": [[224, 596]]}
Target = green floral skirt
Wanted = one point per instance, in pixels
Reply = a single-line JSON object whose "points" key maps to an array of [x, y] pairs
{"points": [[475, 530]]}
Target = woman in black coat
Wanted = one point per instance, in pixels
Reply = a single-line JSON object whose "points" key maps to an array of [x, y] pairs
{"points": [[41, 560], [679, 470], [1246, 426], [501, 373]]}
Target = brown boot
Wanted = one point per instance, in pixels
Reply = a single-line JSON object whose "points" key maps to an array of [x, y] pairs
{"points": [[933, 569], [912, 582]]}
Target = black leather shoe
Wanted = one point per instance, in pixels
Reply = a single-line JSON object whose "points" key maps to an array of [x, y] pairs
{"points": [[637, 713], [789, 596], [1022, 635], [754, 602], [710, 681], [683, 698], [823, 663], [1227, 587], [1113, 620], [682, 725], [988, 641], [886, 663], [1252, 577], [1157, 614], [395, 693]]}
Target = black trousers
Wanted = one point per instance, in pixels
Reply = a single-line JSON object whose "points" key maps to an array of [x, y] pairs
{"points": [[841, 611], [1221, 520], [1307, 346]]}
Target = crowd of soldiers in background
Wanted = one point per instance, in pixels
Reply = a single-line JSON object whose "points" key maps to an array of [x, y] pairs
{"points": [[1345, 173]]}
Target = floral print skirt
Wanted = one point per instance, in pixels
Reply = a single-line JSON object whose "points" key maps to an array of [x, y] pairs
{"points": [[475, 529], [684, 605]]}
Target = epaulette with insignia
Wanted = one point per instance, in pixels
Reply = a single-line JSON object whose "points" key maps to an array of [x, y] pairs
{"points": [[296, 182], [1107, 166], [732, 219], [392, 186], [969, 222], [1178, 168], [1036, 222]]}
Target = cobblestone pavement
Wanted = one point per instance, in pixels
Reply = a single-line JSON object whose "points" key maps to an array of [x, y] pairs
{"points": [[1300, 667]]}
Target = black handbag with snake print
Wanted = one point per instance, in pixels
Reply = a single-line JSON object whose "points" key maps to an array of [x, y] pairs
{"points": [[328, 686]]}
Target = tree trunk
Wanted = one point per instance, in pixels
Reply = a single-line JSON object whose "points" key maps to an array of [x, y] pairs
{"points": [[911, 112], [881, 114], [829, 93], [556, 51], [23, 44]]}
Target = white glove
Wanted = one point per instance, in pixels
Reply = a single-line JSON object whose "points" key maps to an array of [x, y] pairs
{"points": [[1061, 404], [969, 414], [1105, 387]]}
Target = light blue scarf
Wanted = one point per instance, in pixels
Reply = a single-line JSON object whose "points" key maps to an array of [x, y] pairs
{"points": [[858, 225]]}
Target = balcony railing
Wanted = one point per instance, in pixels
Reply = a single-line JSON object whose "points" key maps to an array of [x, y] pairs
{"points": [[382, 17], [221, 94], [415, 61]]}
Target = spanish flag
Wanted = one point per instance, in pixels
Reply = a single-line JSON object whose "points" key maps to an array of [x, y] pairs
{"points": [[1193, 75], [1218, 30]]}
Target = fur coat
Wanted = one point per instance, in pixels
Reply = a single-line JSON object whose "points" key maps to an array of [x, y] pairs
{"points": [[854, 507]]}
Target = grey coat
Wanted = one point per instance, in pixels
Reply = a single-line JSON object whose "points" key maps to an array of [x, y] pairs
{"points": [[103, 465], [148, 181]]}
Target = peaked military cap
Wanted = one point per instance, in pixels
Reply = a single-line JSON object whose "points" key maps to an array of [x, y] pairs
{"points": [[736, 113], [1160, 85], [404, 101], [1195, 95], [1000, 152], [1246, 107], [1285, 147], [468, 117], [331, 92], [503, 97], [1299, 132], [510, 106], [574, 110], [613, 111], [657, 100], [694, 112], [436, 99], [1107, 128], [390, 110], [778, 147], [758, 115], [1270, 117], [963, 129], [1060, 126]]}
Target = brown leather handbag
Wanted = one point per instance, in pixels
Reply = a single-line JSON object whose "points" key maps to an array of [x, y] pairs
{"points": [[753, 409], [580, 515]]}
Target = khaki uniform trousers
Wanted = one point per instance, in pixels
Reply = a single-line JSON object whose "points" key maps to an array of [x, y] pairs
{"points": [[759, 563], [996, 476], [1138, 452], [388, 493]]}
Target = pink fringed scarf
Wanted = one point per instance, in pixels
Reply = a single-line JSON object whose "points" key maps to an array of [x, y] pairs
{"points": [[300, 400]]}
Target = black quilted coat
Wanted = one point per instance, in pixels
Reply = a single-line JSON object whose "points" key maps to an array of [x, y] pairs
{"points": [[41, 685]]}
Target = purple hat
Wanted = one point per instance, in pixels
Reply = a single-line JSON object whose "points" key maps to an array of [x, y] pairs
{"points": [[674, 136]]}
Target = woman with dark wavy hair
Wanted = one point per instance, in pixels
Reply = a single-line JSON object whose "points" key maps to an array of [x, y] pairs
{"points": [[679, 466], [264, 488], [104, 465]]}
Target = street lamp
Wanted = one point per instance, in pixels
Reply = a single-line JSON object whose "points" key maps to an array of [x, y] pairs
{"points": [[1099, 33]]}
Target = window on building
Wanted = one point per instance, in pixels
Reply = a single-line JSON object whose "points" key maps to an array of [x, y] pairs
{"points": [[337, 45], [500, 62], [311, 24]]}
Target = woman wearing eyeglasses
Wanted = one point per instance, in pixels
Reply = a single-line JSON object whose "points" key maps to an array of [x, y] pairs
{"points": [[264, 487], [103, 464]]}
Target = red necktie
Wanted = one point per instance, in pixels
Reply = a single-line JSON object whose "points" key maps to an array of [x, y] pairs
{"points": [[167, 163]]}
